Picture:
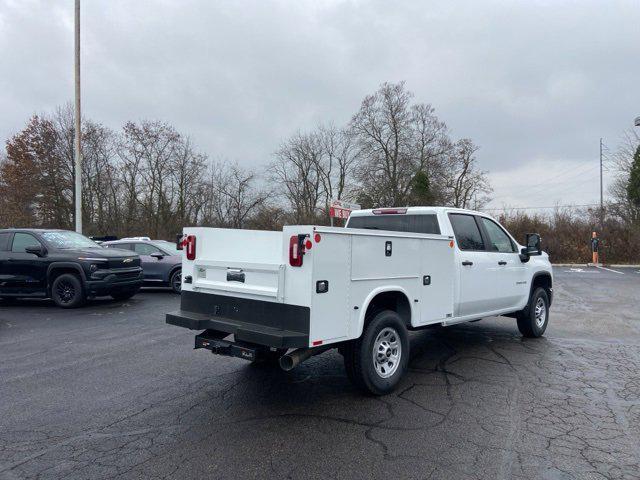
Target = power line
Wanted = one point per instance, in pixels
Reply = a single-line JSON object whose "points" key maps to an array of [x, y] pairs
{"points": [[549, 184]]}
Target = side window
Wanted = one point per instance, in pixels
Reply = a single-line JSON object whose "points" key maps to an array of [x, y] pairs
{"points": [[121, 246], [466, 231], [4, 241], [22, 241], [144, 249], [500, 241]]}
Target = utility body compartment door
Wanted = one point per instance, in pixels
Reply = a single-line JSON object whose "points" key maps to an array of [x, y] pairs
{"points": [[437, 281]]}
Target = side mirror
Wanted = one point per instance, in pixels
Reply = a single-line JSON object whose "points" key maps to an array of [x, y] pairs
{"points": [[157, 255], [35, 250], [533, 244]]}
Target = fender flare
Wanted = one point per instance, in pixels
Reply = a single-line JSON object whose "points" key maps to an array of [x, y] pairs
{"points": [[541, 273], [66, 265], [375, 292]]}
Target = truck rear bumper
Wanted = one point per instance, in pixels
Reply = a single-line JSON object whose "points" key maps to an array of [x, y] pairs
{"points": [[258, 322], [247, 332]]}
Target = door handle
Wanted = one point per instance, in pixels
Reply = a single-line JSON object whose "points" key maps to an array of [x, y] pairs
{"points": [[502, 262], [466, 263]]}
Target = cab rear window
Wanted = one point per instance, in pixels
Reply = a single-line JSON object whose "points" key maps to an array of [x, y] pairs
{"points": [[427, 223]]}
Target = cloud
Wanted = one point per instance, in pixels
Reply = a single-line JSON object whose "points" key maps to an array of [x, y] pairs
{"points": [[525, 80]]}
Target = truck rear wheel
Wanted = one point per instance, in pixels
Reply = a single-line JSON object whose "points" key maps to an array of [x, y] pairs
{"points": [[376, 361], [533, 320]]}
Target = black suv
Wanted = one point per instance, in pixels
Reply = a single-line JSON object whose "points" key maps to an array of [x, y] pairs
{"points": [[64, 266]]}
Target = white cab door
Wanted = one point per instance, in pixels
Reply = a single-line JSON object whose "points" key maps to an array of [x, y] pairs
{"points": [[509, 272], [476, 293]]}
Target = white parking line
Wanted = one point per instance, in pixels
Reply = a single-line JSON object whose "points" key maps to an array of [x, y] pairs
{"points": [[610, 270], [580, 270]]}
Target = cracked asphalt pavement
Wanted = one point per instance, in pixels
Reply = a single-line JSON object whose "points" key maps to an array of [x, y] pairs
{"points": [[111, 391]]}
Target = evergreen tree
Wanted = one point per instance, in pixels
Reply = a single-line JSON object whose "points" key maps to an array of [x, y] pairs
{"points": [[633, 185]]}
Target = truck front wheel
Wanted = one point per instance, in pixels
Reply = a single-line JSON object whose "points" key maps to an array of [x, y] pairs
{"points": [[533, 320], [67, 291], [376, 361]]}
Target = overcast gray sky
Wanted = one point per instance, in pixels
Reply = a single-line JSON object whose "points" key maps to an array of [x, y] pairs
{"points": [[535, 84]]}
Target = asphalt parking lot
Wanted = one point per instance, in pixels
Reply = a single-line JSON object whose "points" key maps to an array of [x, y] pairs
{"points": [[110, 391]]}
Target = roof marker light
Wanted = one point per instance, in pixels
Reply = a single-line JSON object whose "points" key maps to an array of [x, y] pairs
{"points": [[389, 211]]}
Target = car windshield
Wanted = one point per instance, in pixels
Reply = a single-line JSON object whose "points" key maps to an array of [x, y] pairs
{"points": [[64, 239], [168, 247]]}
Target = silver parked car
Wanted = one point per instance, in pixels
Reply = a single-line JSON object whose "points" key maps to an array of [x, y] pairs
{"points": [[161, 261]]}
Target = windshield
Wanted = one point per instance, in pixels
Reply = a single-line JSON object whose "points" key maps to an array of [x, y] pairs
{"points": [[64, 239], [169, 247]]}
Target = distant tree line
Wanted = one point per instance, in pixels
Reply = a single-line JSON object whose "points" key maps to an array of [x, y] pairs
{"points": [[566, 232], [149, 179]]}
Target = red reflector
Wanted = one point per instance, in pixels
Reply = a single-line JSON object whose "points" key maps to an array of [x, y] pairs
{"points": [[317, 238], [190, 247], [317, 342], [390, 211], [308, 244]]}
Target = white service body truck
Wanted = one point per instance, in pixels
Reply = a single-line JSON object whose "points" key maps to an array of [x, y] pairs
{"points": [[285, 296]]}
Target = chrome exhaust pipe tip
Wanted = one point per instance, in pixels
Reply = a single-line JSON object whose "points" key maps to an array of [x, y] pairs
{"points": [[287, 362]]}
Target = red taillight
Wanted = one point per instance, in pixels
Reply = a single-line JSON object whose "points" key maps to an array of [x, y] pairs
{"points": [[190, 247], [389, 211], [296, 250]]}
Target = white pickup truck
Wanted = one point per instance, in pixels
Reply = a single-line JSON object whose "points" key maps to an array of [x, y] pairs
{"points": [[285, 296]]}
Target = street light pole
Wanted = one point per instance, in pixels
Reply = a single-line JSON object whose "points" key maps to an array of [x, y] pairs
{"points": [[601, 195], [78, 151]]}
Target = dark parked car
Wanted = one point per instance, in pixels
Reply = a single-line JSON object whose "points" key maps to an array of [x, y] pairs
{"points": [[64, 266], [161, 260]]}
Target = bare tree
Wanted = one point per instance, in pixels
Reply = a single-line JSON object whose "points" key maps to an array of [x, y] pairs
{"points": [[468, 187], [396, 141], [296, 172], [623, 161], [231, 196]]}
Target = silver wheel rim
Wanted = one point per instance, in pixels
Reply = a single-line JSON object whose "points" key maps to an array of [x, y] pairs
{"points": [[540, 313], [177, 282], [387, 352]]}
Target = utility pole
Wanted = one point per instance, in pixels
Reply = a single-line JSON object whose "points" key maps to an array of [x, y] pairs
{"points": [[601, 195], [78, 152]]}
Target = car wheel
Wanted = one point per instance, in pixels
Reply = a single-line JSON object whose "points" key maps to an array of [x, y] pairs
{"points": [[124, 294], [67, 291], [533, 320], [376, 361], [176, 281]]}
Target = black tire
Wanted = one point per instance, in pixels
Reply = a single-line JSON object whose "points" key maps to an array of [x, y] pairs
{"points": [[530, 323], [124, 294], [176, 281], [9, 300], [67, 291], [385, 330]]}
